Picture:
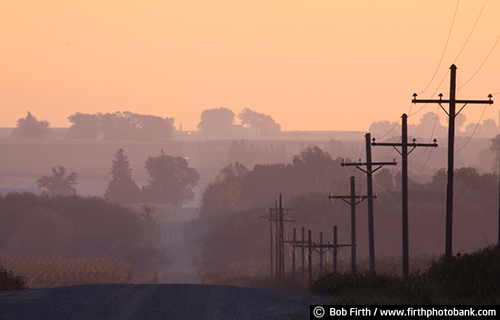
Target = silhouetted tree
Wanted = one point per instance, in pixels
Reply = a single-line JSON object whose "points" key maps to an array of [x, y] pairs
{"points": [[489, 126], [59, 180], [214, 120], [225, 195], [264, 124], [135, 127], [315, 168], [171, 181], [121, 188], [85, 126], [429, 126], [30, 128], [384, 128]]}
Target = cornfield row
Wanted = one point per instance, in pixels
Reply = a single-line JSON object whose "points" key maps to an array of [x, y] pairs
{"points": [[44, 272]]}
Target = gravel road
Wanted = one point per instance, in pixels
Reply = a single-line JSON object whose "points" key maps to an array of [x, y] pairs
{"points": [[156, 301]]}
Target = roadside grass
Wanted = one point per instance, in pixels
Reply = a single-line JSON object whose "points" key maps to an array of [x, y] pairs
{"points": [[461, 279]]}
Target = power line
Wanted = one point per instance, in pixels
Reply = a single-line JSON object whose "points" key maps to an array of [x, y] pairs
{"points": [[473, 132], [425, 163], [482, 64], [470, 34], [444, 49], [425, 104]]}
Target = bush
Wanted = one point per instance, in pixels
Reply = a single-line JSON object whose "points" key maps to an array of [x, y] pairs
{"points": [[9, 281], [468, 276]]}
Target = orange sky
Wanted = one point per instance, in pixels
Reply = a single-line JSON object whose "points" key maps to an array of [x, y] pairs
{"points": [[311, 65]]}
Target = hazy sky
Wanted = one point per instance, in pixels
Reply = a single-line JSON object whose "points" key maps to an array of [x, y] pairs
{"points": [[311, 65]]}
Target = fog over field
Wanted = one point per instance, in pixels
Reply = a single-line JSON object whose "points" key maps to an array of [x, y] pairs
{"points": [[25, 161], [219, 232]]}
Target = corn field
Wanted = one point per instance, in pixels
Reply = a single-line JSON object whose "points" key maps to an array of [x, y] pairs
{"points": [[45, 272]]}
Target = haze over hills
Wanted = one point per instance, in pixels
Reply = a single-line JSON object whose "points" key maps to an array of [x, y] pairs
{"points": [[25, 160]]}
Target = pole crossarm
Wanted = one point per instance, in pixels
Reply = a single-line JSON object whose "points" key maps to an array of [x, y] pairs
{"points": [[274, 218], [359, 164], [456, 101], [440, 101], [411, 145], [315, 245], [343, 198]]}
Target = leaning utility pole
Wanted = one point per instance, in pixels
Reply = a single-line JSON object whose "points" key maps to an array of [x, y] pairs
{"points": [[451, 146], [369, 184], [404, 156], [352, 201]]}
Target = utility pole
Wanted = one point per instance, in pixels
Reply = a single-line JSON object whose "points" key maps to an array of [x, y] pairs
{"points": [[369, 184], [278, 218], [451, 146], [352, 201], [314, 246], [404, 155]]}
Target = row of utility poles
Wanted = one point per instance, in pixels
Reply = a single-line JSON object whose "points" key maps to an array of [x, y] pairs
{"points": [[320, 247], [277, 214]]}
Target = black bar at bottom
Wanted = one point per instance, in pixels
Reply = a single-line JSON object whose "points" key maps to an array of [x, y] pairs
{"points": [[333, 311]]}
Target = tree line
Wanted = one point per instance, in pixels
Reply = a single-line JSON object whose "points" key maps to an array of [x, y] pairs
{"points": [[77, 227], [430, 126], [171, 180], [237, 198], [128, 126]]}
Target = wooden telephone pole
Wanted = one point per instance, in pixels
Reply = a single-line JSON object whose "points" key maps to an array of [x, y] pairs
{"points": [[404, 155], [353, 201], [277, 215], [451, 146], [369, 184]]}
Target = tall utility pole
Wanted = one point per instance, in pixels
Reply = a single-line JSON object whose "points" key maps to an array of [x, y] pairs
{"points": [[404, 156], [352, 201], [369, 184], [451, 146]]}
